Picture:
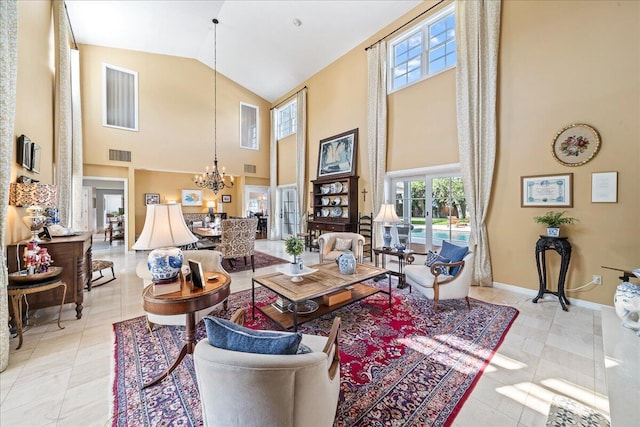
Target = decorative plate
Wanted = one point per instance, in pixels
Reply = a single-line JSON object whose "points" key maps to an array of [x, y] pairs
{"points": [[336, 212], [576, 144], [325, 212], [325, 190], [325, 201], [336, 201], [305, 307], [338, 187]]}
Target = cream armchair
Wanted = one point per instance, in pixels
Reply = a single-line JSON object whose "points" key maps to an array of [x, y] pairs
{"points": [[210, 260], [248, 389], [432, 283], [327, 243]]}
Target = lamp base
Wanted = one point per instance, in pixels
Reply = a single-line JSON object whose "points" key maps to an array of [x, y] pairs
{"points": [[386, 237]]}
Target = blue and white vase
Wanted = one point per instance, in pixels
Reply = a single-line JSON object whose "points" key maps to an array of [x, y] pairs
{"points": [[297, 266], [164, 264], [347, 262], [627, 303]]}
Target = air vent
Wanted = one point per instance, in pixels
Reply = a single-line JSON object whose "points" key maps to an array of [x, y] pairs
{"points": [[120, 155], [249, 168]]}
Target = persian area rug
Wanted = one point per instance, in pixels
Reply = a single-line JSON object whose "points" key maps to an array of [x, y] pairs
{"points": [[260, 259], [403, 366]]}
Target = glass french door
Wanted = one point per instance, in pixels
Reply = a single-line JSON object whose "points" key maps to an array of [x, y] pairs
{"points": [[289, 218], [432, 209]]}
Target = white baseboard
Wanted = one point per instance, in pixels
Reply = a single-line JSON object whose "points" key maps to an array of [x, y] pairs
{"points": [[533, 292]]}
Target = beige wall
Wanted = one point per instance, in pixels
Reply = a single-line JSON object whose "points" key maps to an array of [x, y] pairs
{"points": [[582, 76], [34, 99]]}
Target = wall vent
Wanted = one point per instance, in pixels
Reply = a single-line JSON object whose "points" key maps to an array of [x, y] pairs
{"points": [[120, 155], [249, 168]]}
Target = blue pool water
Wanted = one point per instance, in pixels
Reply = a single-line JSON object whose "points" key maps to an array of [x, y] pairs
{"points": [[440, 234]]}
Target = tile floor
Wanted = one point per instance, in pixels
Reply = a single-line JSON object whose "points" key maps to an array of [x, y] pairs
{"points": [[62, 377]]}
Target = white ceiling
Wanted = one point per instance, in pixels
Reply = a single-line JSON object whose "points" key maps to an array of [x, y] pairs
{"points": [[258, 46]]}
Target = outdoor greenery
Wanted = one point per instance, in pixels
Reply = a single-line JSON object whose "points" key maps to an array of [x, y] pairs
{"points": [[447, 200], [554, 219], [294, 246]]}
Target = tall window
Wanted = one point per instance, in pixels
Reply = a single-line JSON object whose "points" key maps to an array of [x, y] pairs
{"points": [[287, 119], [120, 98], [424, 50], [248, 126]]}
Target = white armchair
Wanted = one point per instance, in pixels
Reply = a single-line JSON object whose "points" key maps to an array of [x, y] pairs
{"points": [[210, 260], [432, 283], [248, 389], [327, 244]]}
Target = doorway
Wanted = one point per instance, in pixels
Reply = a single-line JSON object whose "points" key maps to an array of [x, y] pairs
{"points": [[289, 218]]}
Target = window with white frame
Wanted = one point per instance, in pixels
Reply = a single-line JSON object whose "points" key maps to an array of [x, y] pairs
{"points": [[287, 119], [120, 98], [424, 50], [248, 126]]}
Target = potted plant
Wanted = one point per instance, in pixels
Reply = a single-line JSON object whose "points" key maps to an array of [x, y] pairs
{"points": [[294, 247], [554, 220]]}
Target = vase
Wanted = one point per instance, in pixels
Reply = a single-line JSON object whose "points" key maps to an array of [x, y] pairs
{"points": [[297, 266], [164, 264], [347, 262], [627, 303], [553, 231]]}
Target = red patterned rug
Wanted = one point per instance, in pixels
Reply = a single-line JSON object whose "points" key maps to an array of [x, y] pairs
{"points": [[401, 366]]}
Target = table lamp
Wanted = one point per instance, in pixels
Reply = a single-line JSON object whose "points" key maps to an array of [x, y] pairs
{"points": [[35, 197], [387, 216], [164, 229]]}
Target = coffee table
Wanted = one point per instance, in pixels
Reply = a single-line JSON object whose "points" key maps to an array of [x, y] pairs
{"points": [[312, 287], [186, 301]]}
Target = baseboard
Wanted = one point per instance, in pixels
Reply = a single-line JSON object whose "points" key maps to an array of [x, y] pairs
{"points": [[533, 292]]}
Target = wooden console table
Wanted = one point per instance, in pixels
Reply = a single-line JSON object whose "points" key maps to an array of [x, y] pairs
{"points": [[73, 254]]}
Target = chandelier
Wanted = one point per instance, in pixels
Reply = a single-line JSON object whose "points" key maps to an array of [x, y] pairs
{"points": [[214, 179]]}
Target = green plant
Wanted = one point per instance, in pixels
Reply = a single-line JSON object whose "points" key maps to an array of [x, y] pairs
{"points": [[554, 219], [294, 246]]}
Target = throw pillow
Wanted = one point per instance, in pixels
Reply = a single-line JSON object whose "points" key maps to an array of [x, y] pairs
{"points": [[342, 244], [454, 252], [431, 258], [227, 335]]}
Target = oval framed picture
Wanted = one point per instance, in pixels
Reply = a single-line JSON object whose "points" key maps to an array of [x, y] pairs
{"points": [[576, 144]]}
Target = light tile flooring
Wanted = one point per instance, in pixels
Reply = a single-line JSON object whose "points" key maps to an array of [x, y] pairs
{"points": [[62, 377]]}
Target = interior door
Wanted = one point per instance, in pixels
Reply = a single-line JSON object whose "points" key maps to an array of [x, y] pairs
{"points": [[112, 203]]}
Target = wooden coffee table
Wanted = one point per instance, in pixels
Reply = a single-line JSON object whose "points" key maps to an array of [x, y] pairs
{"points": [[312, 287], [186, 301]]}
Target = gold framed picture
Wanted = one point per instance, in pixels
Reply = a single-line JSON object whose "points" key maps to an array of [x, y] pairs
{"points": [[576, 144]]}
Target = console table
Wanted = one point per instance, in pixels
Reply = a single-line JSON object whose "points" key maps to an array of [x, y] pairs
{"points": [[563, 247], [73, 254], [402, 260]]}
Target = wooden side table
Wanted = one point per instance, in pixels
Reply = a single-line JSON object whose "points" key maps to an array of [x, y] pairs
{"points": [[402, 260], [22, 285], [563, 247]]}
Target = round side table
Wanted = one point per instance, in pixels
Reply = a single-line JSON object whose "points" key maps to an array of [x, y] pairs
{"points": [[21, 285]]}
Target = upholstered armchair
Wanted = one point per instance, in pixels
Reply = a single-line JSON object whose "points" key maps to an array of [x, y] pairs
{"points": [[238, 239], [210, 260], [249, 389], [333, 244], [434, 282]]}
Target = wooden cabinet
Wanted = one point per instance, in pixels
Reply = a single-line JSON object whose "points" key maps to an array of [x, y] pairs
{"points": [[115, 229], [73, 254], [335, 204]]}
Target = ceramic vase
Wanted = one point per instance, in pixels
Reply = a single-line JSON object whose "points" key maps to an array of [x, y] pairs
{"points": [[297, 266], [627, 303], [553, 231], [347, 263], [164, 264]]}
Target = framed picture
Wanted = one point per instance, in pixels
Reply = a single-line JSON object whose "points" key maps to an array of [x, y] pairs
{"points": [[604, 187], [151, 198], [24, 152], [35, 157], [576, 144], [338, 155], [226, 198], [547, 191], [191, 197]]}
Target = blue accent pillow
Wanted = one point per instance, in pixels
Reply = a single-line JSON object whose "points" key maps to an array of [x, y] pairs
{"points": [[227, 335], [454, 252]]}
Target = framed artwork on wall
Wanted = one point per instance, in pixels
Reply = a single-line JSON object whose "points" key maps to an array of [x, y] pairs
{"points": [[191, 197], [576, 144], [151, 198], [338, 155], [226, 198], [604, 187], [35, 158], [24, 152], [547, 191]]}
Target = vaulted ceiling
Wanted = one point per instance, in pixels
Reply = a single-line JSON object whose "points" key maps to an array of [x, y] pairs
{"points": [[259, 44]]}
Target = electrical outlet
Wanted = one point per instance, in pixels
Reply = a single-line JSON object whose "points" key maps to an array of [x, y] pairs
{"points": [[597, 279]]}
